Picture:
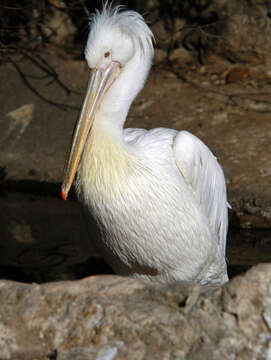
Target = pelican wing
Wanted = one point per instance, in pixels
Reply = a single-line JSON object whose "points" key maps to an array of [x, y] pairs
{"points": [[132, 135], [205, 178]]}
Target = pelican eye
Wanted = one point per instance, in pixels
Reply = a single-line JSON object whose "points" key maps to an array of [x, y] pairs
{"points": [[106, 54]]}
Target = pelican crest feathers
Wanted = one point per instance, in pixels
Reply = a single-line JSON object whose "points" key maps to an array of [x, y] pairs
{"points": [[127, 21]]}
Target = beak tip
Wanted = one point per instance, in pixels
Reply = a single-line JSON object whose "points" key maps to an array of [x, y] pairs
{"points": [[63, 195]]}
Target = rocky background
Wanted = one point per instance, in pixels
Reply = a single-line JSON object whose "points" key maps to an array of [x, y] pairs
{"points": [[212, 77]]}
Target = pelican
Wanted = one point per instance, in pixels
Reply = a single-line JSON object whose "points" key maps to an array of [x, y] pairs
{"points": [[158, 196]]}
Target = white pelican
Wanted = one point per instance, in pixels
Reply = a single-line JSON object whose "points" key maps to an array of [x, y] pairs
{"points": [[158, 196]]}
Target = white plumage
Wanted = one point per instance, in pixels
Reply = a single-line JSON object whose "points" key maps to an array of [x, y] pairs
{"points": [[158, 196]]}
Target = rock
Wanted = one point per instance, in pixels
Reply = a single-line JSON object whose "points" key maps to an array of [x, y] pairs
{"points": [[180, 56], [110, 317], [238, 73], [160, 57], [167, 29], [18, 121], [59, 27], [222, 27]]}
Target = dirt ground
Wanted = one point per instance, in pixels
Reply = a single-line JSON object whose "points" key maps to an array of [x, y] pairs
{"points": [[231, 117]]}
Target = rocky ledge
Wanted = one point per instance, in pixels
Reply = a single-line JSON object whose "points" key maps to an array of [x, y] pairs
{"points": [[111, 317]]}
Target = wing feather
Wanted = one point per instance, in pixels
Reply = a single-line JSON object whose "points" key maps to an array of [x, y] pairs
{"points": [[132, 135], [205, 178]]}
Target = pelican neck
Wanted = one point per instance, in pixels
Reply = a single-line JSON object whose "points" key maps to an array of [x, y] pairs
{"points": [[109, 125]]}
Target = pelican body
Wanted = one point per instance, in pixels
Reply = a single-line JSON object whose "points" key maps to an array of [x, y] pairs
{"points": [[158, 196]]}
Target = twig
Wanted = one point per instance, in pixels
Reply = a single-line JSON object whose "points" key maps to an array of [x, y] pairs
{"points": [[27, 83], [48, 69]]}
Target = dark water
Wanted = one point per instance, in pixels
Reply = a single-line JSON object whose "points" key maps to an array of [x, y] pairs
{"points": [[45, 239], [36, 263], [40, 274]]}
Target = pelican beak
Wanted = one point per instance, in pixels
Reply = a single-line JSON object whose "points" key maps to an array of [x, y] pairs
{"points": [[102, 77]]}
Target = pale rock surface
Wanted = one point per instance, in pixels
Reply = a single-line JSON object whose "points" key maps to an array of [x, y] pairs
{"points": [[110, 317]]}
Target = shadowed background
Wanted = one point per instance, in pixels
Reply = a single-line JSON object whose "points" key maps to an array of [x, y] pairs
{"points": [[209, 77]]}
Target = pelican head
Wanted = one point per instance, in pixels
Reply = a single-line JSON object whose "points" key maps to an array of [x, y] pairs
{"points": [[119, 52]]}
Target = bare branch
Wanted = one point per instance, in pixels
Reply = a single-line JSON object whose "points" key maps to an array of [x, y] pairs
{"points": [[28, 84]]}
